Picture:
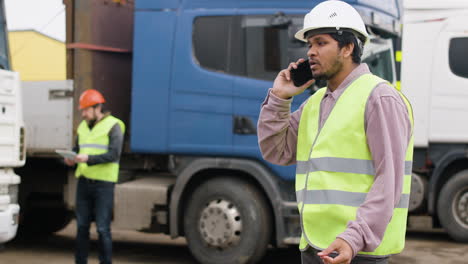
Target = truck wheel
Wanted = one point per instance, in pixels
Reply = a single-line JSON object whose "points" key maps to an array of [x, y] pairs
{"points": [[227, 221], [44, 221], [452, 206]]}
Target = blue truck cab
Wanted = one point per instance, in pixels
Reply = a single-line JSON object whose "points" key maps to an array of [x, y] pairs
{"points": [[201, 70]]}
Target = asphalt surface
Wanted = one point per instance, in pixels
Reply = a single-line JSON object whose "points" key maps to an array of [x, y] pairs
{"points": [[422, 247]]}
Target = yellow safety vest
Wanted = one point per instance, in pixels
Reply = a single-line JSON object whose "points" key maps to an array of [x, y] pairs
{"points": [[335, 170], [96, 142]]}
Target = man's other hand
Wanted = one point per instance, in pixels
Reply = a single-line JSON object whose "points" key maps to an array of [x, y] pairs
{"points": [[69, 162], [345, 252], [81, 158]]}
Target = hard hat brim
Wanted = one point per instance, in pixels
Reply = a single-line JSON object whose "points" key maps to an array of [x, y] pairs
{"points": [[300, 35], [81, 107]]}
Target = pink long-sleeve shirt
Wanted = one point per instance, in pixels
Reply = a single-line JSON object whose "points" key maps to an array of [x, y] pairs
{"points": [[388, 131]]}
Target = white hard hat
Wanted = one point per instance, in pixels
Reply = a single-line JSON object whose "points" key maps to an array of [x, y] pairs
{"points": [[335, 16]]}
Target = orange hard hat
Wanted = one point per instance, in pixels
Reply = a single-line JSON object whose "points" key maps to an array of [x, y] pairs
{"points": [[91, 97]]}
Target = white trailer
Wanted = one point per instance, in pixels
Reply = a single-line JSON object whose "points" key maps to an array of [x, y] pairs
{"points": [[434, 76]]}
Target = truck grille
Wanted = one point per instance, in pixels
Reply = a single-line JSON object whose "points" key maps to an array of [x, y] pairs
{"points": [[13, 192], [3, 189], [22, 154]]}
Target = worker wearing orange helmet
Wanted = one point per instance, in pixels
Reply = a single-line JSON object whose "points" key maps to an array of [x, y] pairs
{"points": [[99, 144]]}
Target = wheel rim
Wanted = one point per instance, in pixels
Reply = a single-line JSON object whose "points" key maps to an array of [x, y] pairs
{"points": [[220, 224], [460, 207]]}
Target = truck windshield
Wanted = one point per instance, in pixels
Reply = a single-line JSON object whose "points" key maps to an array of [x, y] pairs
{"points": [[4, 63], [270, 47], [270, 44], [259, 46], [378, 56]]}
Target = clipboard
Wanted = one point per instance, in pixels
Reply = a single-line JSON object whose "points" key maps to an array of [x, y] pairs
{"points": [[66, 154]]}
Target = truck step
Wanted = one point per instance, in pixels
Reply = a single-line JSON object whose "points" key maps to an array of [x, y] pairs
{"points": [[135, 200]]}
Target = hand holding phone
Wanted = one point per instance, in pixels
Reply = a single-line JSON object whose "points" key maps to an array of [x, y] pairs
{"points": [[302, 74], [286, 87]]}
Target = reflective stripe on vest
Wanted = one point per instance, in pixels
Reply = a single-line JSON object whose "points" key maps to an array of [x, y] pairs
{"points": [[335, 170], [339, 197], [96, 142], [98, 146], [341, 165]]}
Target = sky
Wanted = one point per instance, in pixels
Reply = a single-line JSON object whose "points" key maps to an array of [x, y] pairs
{"points": [[45, 16]]}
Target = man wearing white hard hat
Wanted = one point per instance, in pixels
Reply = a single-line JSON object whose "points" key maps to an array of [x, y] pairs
{"points": [[351, 142]]}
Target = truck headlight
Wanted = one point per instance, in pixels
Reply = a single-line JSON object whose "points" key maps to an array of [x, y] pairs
{"points": [[13, 193]]}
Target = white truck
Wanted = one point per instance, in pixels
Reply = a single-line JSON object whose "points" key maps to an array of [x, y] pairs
{"points": [[434, 76], [12, 152], [12, 138]]}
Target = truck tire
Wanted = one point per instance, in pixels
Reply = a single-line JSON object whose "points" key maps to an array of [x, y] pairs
{"points": [[452, 206], [227, 221]]}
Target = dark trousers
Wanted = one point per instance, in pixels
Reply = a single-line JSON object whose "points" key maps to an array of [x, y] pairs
{"points": [[94, 201], [310, 257]]}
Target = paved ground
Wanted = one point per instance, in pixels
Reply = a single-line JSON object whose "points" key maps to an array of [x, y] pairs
{"points": [[136, 248]]}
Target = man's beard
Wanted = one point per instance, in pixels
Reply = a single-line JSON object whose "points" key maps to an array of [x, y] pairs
{"points": [[336, 68]]}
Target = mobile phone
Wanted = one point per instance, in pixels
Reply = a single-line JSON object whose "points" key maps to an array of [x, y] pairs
{"points": [[302, 74]]}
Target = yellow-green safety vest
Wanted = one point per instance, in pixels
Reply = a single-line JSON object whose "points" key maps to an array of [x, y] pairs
{"points": [[96, 142], [335, 170]]}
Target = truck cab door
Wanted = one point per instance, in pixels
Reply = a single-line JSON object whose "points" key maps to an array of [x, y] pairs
{"points": [[450, 83], [265, 45], [200, 97], [419, 42]]}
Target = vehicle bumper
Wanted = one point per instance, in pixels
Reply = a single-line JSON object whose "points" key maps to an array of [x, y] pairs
{"points": [[9, 222]]}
